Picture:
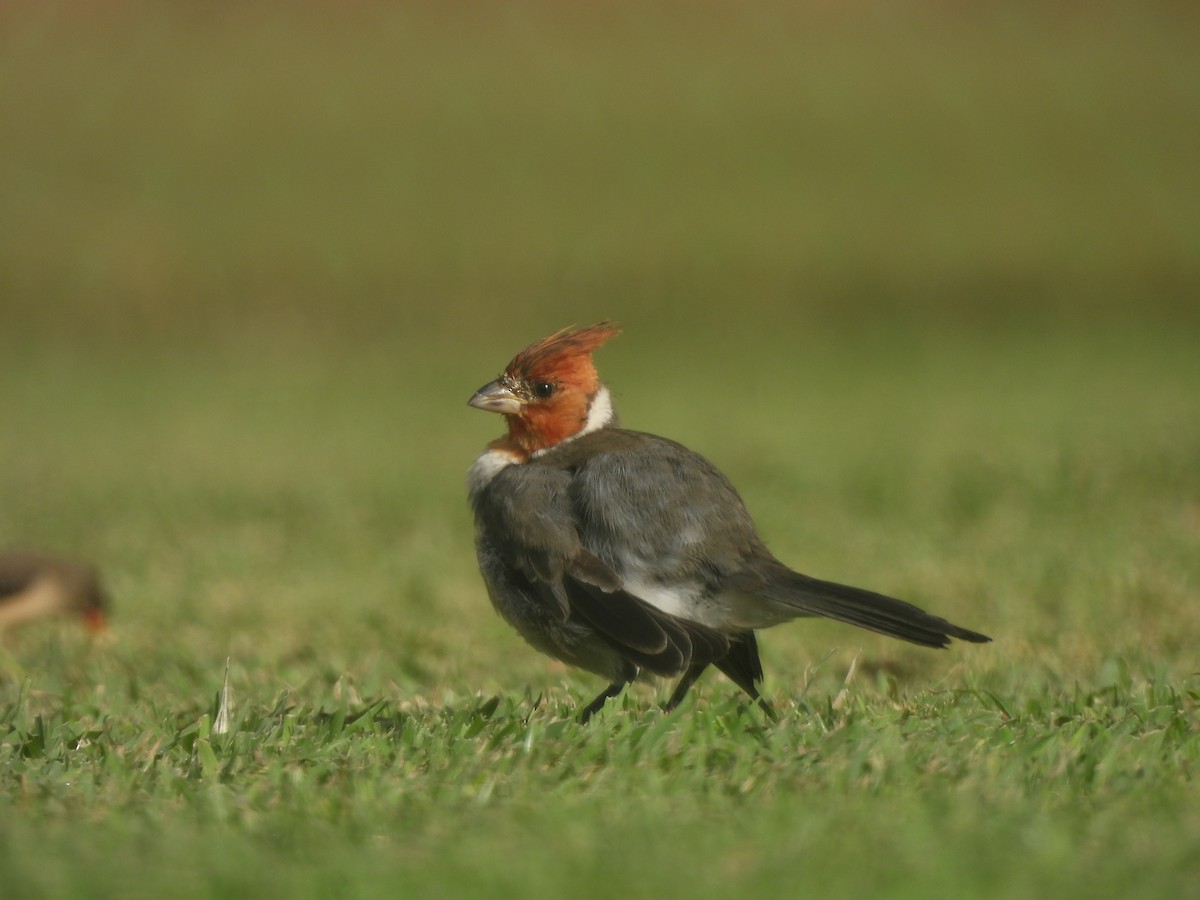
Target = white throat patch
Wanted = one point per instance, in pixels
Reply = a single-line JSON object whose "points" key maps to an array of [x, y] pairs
{"points": [[486, 467], [600, 414]]}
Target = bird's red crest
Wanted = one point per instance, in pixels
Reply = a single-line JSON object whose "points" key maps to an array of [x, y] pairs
{"points": [[563, 353]]}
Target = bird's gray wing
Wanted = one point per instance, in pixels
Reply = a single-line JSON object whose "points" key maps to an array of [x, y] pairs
{"points": [[644, 498], [529, 518]]}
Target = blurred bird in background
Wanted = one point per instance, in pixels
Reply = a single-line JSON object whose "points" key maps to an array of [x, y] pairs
{"points": [[34, 585]]}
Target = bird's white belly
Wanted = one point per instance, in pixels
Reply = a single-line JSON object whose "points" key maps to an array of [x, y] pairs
{"points": [[725, 611], [684, 601]]}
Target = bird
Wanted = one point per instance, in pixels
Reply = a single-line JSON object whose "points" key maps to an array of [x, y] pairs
{"points": [[628, 555], [35, 584]]}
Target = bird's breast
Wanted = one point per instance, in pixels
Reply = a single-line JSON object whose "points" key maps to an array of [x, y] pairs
{"points": [[489, 464]]}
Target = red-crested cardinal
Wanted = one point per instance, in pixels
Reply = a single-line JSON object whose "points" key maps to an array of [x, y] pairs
{"points": [[33, 585], [626, 554]]}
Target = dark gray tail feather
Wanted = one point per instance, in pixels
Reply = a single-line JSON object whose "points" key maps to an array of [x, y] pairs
{"points": [[866, 609]]}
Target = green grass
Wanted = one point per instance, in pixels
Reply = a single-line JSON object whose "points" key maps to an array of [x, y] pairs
{"points": [[922, 281]]}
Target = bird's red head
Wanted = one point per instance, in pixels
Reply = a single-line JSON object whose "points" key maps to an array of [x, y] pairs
{"points": [[551, 391]]}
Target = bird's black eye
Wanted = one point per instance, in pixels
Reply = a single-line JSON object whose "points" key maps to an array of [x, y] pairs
{"points": [[544, 389]]}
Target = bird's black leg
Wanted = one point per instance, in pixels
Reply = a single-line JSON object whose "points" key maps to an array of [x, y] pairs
{"points": [[685, 684], [595, 706], [750, 688], [744, 669]]}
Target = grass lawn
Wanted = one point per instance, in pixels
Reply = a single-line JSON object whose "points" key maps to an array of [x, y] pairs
{"points": [[922, 282]]}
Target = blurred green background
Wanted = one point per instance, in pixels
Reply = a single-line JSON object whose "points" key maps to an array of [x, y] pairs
{"points": [[394, 173]]}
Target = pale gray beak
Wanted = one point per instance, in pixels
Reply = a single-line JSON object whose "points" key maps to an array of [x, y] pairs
{"points": [[496, 396]]}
